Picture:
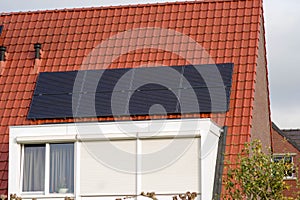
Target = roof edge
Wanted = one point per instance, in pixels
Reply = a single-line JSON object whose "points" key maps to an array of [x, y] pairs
{"points": [[288, 130], [104, 7], [262, 25]]}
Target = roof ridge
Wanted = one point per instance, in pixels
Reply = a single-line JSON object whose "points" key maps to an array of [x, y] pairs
{"points": [[117, 6], [292, 129]]}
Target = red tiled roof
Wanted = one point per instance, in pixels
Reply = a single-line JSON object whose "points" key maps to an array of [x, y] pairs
{"points": [[229, 30]]}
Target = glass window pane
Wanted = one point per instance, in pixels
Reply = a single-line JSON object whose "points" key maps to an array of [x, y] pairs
{"points": [[278, 158], [288, 160], [61, 168], [34, 168]]}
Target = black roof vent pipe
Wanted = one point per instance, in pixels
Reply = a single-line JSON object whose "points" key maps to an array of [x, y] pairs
{"points": [[37, 47], [2, 53]]}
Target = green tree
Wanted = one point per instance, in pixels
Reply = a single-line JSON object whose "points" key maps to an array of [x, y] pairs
{"points": [[256, 175]]}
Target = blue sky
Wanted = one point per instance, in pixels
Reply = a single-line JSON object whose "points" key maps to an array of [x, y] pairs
{"points": [[282, 21]]}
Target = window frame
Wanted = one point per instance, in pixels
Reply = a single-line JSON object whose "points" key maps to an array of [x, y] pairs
{"points": [[47, 170], [38, 134], [283, 156], [22, 172]]}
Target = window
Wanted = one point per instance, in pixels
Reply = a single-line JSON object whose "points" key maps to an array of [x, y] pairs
{"points": [[288, 160], [48, 168], [34, 168]]}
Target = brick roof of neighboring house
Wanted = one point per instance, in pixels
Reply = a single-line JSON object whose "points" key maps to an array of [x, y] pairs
{"points": [[229, 30]]}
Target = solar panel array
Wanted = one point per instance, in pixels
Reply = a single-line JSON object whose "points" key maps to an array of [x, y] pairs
{"points": [[132, 91]]}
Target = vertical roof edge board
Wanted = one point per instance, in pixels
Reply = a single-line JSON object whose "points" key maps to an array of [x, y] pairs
{"points": [[217, 190]]}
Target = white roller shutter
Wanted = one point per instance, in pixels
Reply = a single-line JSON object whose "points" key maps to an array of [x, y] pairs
{"points": [[178, 177], [108, 167]]}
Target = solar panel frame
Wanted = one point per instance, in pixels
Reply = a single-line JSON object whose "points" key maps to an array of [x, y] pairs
{"points": [[132, 91]]}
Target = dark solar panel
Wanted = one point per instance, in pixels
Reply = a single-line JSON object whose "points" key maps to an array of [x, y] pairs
{"points": [[140, 91], [1, 28], [55, 83], [153, 102], [169, 77], [51, 106]]}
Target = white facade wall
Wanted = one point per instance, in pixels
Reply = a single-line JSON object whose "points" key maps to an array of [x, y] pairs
{"points": [[118, 159]]}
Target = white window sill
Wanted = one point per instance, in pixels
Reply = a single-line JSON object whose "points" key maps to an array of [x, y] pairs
{"points": [[42, 196], [290, 178]]}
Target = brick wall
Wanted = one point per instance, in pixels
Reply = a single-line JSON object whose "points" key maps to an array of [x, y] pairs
{"points": [[281, 145], [261, 112]]}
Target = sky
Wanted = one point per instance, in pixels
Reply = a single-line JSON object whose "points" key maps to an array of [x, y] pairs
{"points": [[282, 23]]}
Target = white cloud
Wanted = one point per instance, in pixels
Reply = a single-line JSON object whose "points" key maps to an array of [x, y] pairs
{"points": [[283, 50], [286, 117]]}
